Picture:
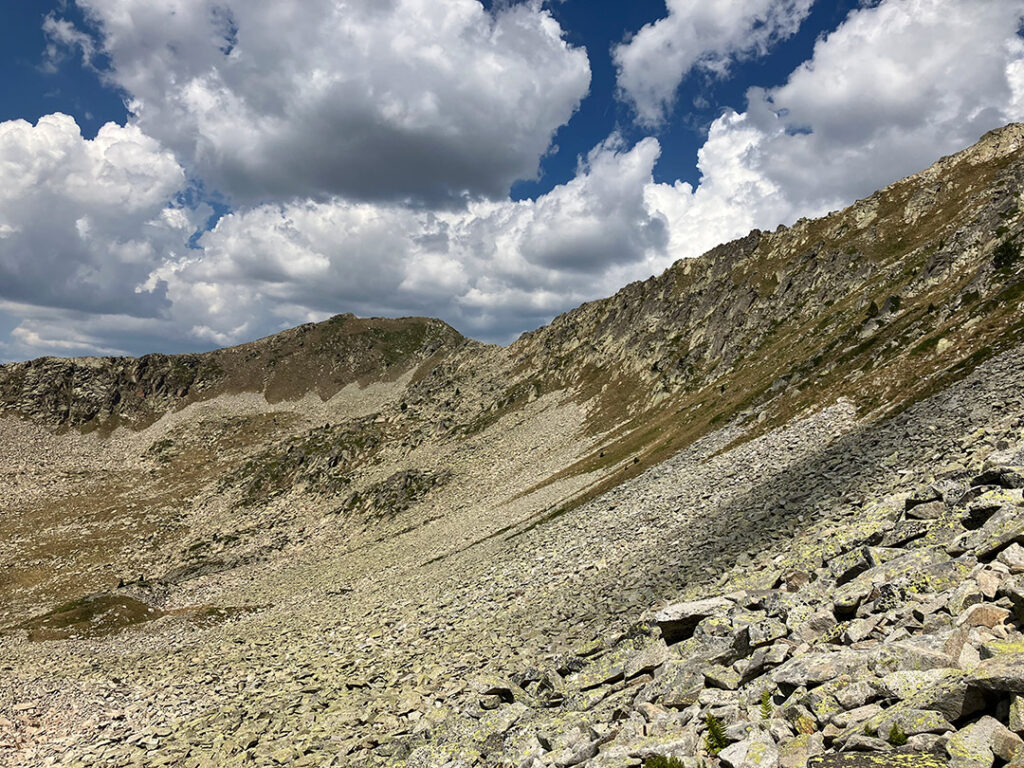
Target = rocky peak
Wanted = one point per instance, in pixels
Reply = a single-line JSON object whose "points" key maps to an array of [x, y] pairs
{"points": [[318, 358]]}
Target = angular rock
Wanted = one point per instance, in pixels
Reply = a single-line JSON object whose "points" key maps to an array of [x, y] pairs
{"points": [[1016, 716], [889, 760], [861, 742], [766, 632], [915, 721], [975, 746], [812, 669], [906, 531], [679, 620], [676, 685], [1013, 558], [909, 655], [930, 511], [1004, 528], [947, 691], [815, 626], [927, 495], [795, 752], [1001, 673], [856, 695], [983, 615], [757, 751], [725, 678], [1004, 477], [650, 657]]}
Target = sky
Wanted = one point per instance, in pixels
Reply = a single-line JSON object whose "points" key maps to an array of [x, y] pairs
{"points": [[180, 175]]}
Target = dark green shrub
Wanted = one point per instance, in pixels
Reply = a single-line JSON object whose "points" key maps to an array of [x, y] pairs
{"points": [[714, 739], [1006, 254], [660, 761]]}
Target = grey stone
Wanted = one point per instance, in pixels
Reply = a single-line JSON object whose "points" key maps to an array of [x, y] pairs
{"points": [[930, 511], [1001, 673], [975, 745], [679, 620], [815, 668], [915, 721], [1004, 477], [860, 742], [650, 657], [795, 752], [1013, 558], [757, 751], [856, 695]]}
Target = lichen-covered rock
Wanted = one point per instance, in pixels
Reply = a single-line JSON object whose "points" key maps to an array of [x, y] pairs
{"points": [[679, 620], [914, 721], [886, 760], [1001, 673], [815, 668], [975, 745], [756, 751], [795, 752]]}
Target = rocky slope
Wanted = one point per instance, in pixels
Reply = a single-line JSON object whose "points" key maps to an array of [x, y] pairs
{"points": [[373, 542], [320, 358]]}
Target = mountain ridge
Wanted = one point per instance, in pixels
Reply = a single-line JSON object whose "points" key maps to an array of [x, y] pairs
{"points": [[398, 546]]}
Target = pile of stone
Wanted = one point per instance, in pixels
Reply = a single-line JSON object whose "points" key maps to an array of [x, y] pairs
{"points": [[907, 645]]}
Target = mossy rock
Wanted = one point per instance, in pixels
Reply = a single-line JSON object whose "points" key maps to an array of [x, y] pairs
{"points": [[879, 760]]}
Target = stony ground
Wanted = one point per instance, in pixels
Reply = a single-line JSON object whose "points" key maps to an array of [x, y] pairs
{"points": [[503, 634], [721, 492]]}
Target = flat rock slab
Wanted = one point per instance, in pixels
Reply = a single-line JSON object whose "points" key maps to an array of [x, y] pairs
{"points": [[879, 760]]}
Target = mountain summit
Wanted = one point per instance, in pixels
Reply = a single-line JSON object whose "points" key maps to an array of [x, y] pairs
{"points": [[377, 542]]}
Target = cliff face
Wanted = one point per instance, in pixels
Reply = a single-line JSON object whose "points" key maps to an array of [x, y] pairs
{"points": [[319, 358]]}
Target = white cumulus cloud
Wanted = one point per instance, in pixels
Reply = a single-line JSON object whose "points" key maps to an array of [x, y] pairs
{"points": [[427, 100], [698, 35], [491, 269], [83, 222], [894, 88]]}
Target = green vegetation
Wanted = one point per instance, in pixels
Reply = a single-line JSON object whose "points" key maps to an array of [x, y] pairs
{"points": [[714, 739], [320, 459], [1006, 255], [767, 708], [162, 450], [896, 735], [661, 761], [90, 616], [392, 496]]}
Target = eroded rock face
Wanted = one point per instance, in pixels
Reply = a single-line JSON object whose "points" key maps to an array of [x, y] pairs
{"points": [[318, 358]]}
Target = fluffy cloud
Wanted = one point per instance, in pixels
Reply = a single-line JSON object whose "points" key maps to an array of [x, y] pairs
{"points": [[366, 99], [494, 268], [895, 87], [84, 222], [704, 35]]}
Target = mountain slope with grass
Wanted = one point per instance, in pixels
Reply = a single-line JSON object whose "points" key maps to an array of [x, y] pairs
{"points": [[376, 542]]}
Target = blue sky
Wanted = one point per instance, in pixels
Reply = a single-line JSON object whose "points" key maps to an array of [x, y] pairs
{"points": [[184, 174]]}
